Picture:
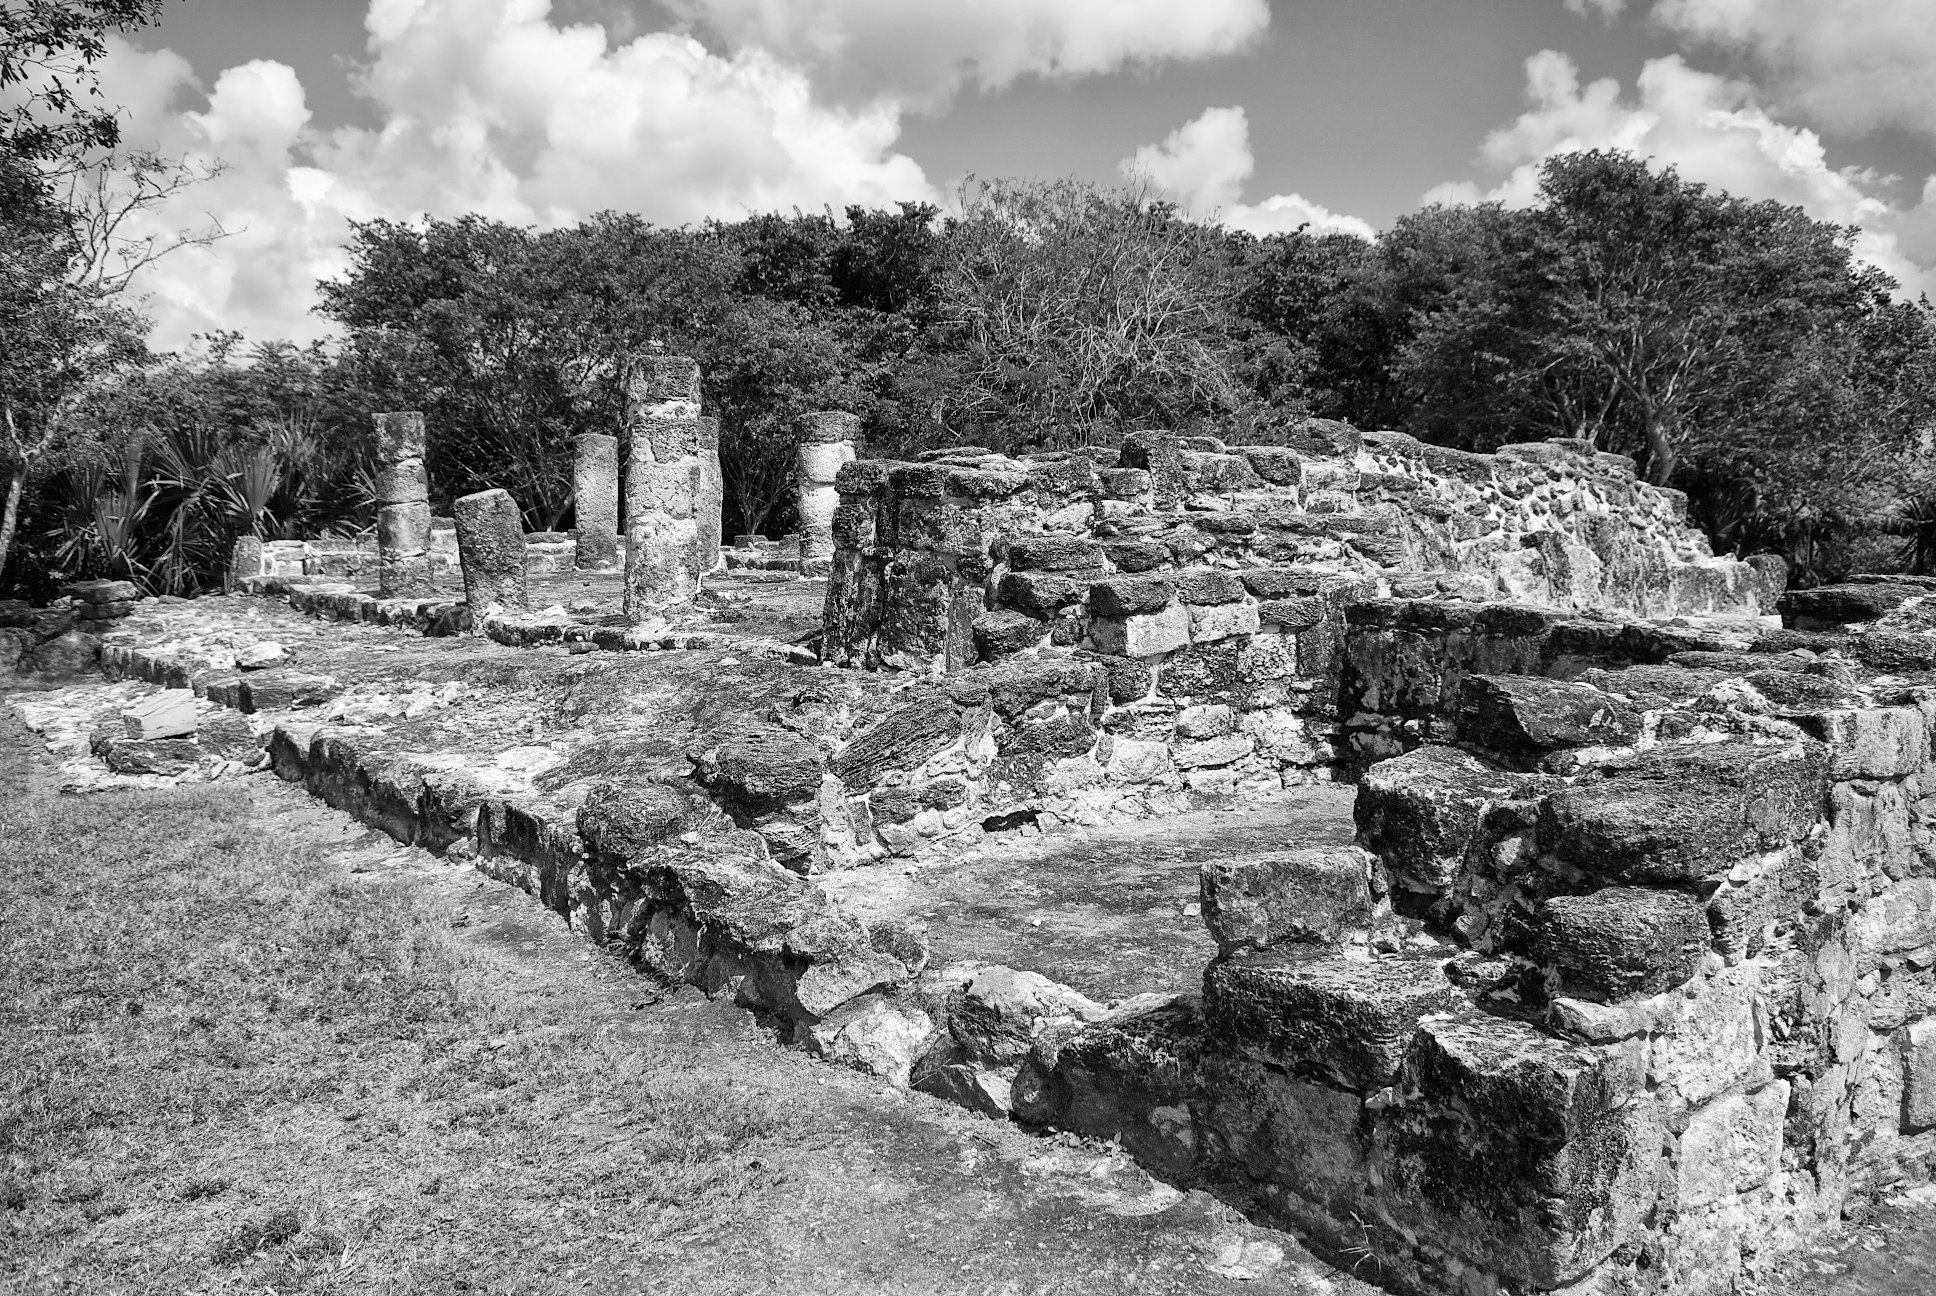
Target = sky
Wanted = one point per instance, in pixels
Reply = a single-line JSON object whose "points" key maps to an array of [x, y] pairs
{"points": [[1343, 114]]}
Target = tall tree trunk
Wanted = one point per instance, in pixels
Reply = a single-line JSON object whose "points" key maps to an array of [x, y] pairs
{"points": [[10, 513]]}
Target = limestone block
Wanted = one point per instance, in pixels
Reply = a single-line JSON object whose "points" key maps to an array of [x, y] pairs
{"points": [[1319, 895], [1207, 586], [1621, 941], [1223, 621], [403, 550], [669, 488], [1307, 1137], [1831, 606], [1132, 760], [620, 820], [658, 381], [1871, 838], [1334, 1019], [1158, 453], [1520, 1154], [819, 506], [1205, 720], [874, 1035], [1057, 553], [491, 545], [1213, 753], [1001, 1011], [1123, 596], [402, 481], [1919, 1077], [1732, 1145], [1040, 594], [1524, 716], [1136, 556], [1283, 735], [1682, 814], [1278, 465], [1002, 632], [830, 426], [168, 714], [1144, 635], [399, 436], [1714, 1039], [902, 739], [1900, 918], [1872, 742], [661, 564], [1420, 813], [164, 756], [595, 501]]}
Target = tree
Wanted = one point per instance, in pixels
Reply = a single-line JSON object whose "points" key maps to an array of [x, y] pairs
{"points": [[1068, 304]]}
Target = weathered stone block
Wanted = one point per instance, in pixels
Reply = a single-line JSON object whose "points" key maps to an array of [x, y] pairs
{"points": [[1293, 613], [1828, 606], [1133, 760], [1122, 596], [1524, 716], [1053, 553], [1684, 814], [1148, 634], [168, 714], [1871, 742], [1041, 594], [661, 564], [1158, 453], [1205, 720], [1519, 1154], [902, 739], [1344, 1021], [399, 436], [1621, 941], [1207, 585], [762, 772], [1213, 753], [403, 550], [402, 481], [1206, 670], [1005, 631], [1420, 812], [1278, 465], [1732, 1145], [1309, 1138], [1316, 895], [1714, 1039], [1136, 555], [1224, 621], [621, 820], [1012, 687]]}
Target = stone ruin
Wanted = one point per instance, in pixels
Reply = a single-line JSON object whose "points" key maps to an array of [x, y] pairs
{"points": [[1624, 982]]}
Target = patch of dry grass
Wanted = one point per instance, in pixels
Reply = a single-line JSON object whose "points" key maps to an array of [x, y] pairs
{"points": [[229, 1064]]}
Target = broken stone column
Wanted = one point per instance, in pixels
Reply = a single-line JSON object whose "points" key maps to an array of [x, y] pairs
{"points": [[595, 485], [490, 546], [663, 485], [245, 561], [826, 443], [403, 507]]}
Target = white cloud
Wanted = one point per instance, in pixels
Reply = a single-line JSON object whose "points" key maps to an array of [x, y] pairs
{"points": [[487, 106], [1605, 10], [1203, 165], [504, 108], [1713, 131], [1849, 64], [920, 52]]}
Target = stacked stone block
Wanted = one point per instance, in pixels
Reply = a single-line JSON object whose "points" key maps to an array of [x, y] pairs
{"points": [[595, 485], [491, 548], [665, 486], [827, 444], [403, 507], [98, 604]]}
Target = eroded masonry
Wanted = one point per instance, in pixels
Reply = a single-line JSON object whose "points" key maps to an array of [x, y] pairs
{"points": [[1444, 854]]}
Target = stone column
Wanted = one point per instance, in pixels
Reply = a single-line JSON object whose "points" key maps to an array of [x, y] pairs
{"points": [[403, 507], [595, 495], [710, 513], [490, 546], [827, 440], [662, 485]]}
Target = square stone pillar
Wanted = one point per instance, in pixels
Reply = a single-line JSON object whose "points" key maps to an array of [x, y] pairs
{"points": [[595, 495], [664, 486]]}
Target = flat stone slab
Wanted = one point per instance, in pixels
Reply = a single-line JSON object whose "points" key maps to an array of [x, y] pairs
{"points": [[1111, 911]]}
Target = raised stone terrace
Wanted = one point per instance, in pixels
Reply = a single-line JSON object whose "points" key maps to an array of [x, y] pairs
{"points": [[1442, 855]]}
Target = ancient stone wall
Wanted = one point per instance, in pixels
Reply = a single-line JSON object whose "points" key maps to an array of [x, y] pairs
{"points": [[1209, 582]]}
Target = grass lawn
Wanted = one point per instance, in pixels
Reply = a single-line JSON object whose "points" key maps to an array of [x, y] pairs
{"points": [[248, 1046]]}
